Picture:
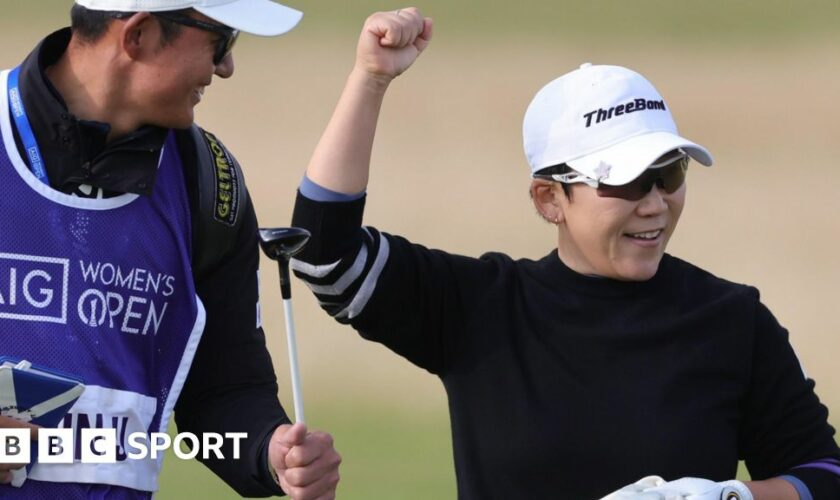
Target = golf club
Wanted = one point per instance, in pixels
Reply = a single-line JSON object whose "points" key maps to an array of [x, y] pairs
{"points": [[280, 244]]}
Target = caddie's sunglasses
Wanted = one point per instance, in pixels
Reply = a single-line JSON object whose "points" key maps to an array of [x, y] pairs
{"points": [[227, 36], [668, 175]]}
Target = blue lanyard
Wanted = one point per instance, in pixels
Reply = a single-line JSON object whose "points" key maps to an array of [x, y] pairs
{"points": [[36, 164]]}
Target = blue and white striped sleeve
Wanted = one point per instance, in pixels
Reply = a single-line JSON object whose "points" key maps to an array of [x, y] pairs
{"points": [[343, 261], [403, 295], [344, 286]]}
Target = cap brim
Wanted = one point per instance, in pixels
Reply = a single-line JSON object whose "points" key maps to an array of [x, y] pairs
{"points": [[258, 17], [628, 159]]}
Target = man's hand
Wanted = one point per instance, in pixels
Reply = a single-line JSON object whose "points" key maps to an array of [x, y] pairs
{"points": [[306, 463], [391, 41], [10, 423]]}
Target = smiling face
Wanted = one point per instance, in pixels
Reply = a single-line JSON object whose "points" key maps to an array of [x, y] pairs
{"points": [[617, 238], [176, 74], [610, 237]]}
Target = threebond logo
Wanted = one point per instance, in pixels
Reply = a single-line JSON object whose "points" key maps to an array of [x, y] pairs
{"points": [[33, 288], [600, 115]]}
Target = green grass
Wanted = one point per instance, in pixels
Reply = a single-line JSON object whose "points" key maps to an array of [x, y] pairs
{"points": [[674, 22], [670, 21], [384, 450]]}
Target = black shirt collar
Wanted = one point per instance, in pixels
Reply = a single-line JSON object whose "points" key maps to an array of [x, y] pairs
{"points": [[74, 151], [552, 271]]}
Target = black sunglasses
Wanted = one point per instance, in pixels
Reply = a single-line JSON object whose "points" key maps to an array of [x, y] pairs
{"points": [[227, 35], [668, 177]]}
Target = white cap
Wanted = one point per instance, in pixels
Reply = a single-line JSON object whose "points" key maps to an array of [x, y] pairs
{"points": [[606, 122], [259, 17]]}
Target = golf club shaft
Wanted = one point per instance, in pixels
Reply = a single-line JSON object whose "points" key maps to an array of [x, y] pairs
{"points": [[291, 341]]}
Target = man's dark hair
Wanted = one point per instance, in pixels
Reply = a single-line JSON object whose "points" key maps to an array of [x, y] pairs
{"points": [[89, 25]]}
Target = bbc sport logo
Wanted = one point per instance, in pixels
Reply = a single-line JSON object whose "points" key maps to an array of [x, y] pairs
{"points": [[99, 446]]}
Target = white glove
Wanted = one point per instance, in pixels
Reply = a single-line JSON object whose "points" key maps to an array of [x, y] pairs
{"points": [[636, 491], [687, 488], [692, 488]]}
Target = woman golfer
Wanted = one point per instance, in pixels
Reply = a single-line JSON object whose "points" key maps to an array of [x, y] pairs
{"points": [[605, 362]]}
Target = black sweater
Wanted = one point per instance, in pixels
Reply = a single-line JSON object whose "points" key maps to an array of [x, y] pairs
{"points": [[567, 386]]}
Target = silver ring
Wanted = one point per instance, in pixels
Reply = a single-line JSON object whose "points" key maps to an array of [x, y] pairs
{"points": [[397, 12]]}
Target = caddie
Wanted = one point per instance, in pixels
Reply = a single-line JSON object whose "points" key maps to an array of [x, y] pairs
{"points": [[129, 245], [602, 362]]}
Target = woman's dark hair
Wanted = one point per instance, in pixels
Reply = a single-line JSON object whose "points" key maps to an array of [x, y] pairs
{"points": [[89, 25]]}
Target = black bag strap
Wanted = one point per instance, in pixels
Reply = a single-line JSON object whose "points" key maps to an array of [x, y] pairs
{"points": [[220, 199]]}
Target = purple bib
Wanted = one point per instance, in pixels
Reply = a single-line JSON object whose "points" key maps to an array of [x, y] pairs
{"points": [[100, 288]]}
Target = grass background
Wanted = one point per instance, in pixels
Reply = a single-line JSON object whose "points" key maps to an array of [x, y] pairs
{"points": [[757, 82]]}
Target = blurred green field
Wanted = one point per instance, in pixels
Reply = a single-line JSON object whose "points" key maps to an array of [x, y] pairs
{"points": [[368, 437], [751, 80], [707, 23]]}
